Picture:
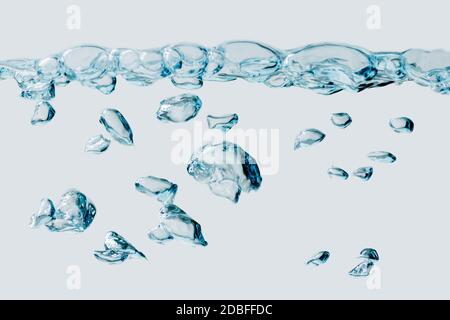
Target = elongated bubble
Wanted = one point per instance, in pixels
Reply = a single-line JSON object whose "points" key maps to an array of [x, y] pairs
{"points": [[180, 108], [97, 144], [117, 126], [364, 173], [176, 224], [338, 173], [161, 188]]}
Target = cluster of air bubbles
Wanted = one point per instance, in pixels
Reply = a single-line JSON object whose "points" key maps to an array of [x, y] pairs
{"points": [[402, 125], [309, 137], [174, 222], [368, 255], [325, 68]]}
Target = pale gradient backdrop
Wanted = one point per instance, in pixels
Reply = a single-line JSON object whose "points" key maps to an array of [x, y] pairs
{"points": [[257, 248]]}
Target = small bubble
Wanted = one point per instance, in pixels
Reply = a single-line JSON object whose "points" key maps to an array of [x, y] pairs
{"points": [[341, 120], [402, 125], [97, 144], [339, 173], [319, 258], [223, 123], [382, 156], [364, 173], [180, 108], [117, 249]]}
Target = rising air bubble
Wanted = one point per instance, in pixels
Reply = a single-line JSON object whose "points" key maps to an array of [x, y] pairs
{"points": [[319, 258], [369, 256], [223, 123], [362, 269], [339, 173], [369, 253], [382, 156], [43, 113], [341, 119], [364, 173], [74, 212], [226, 168], [307, 138], [402, 125], [161, 188], [180, 108], [97, 144], [176, 224]]}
